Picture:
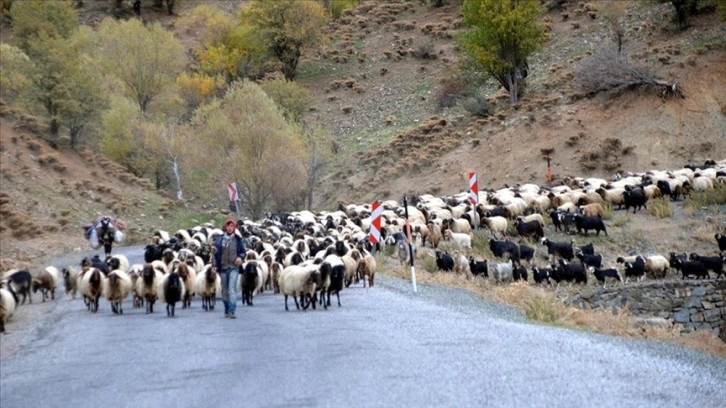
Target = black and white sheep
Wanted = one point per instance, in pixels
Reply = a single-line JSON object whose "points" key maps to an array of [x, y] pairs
{"points": [[568, 272], [603, 274], [529, 228], [691, 268], [594, 261], [635, 269], [21, 282], [541, 274], [478, 267], [248, 281]]}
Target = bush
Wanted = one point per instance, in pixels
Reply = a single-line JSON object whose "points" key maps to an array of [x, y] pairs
{"points": [[700, 199], [660, 208], [425, 51], [477, 105], [448, 93]]}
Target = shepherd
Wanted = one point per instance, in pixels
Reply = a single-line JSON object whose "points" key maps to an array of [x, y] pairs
{"points": [[105, 230]]}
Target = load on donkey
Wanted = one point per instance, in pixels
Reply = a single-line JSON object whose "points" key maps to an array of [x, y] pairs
{"points": [[106, 231]]}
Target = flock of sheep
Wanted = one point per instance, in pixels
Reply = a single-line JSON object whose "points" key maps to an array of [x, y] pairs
{"points": [[310, 256]]}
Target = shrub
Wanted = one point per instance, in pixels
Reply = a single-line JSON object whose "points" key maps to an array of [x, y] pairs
{"points": [[660, 208], [700, 199], [478, 105], [425, 51], [448, 93]]}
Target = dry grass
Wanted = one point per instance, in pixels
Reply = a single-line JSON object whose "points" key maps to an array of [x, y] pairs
{"points": [[543, 305]]}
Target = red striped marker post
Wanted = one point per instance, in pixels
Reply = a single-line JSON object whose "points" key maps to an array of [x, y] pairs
{"points": [[474, 195], [375, 231]]}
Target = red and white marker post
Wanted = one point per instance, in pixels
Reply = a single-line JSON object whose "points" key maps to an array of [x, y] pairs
{"points": [[474, 195], [375, 232]]}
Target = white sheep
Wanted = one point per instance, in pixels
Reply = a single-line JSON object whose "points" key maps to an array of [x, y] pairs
{"points": [[188, 276], [147, 285], [300, 280], [46, 282], [116, 288], [462, 240], [8, 303], [657, 265], [209, 286], [461, 263], [496, 224], [134, 274], [503, 272], [614, 196]]}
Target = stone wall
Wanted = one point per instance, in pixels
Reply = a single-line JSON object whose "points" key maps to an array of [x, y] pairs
{"points": [[693, 304]]}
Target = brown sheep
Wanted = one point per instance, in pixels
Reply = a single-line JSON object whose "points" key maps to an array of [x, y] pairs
{"points": [[367, 268], [434, 234], [591, 210], [46, 281]]}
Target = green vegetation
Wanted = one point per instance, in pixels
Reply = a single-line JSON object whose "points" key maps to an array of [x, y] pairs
{"points": [[541, 310], [500, 36]]}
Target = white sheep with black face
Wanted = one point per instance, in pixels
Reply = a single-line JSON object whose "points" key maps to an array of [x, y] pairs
{"points": [[8, 303], [300, 281], [208, 286]]}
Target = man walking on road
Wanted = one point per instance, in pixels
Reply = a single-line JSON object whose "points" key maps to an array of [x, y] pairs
{"points": [[227, 260]]}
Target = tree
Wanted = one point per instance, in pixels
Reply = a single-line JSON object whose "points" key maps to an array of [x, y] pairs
{"points": [[285, 27], [15, 66], [32, 19], [257, 147], [501, 35], [146, 59], [292, 98], [122, 140], [318, 144]]}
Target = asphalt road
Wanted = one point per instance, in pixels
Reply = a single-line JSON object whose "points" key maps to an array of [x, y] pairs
{"points": [[385, 347]]}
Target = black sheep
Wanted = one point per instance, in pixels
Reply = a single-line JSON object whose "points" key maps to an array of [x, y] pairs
{"points": [[519, 273], [541, 274], [635, 269], [173, 292], [601, 274], [635, 198], [337, 275], [444, 261], [721, 239], [713, 263], [249, 276], [586, 223]]}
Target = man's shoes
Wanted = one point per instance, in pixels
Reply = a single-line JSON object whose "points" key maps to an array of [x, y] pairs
{"points": [[226, 314], [232, 316]]}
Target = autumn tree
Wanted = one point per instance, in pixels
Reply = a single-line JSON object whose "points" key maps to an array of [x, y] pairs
{"points": [[198, 88], [145, 58], [285, 27], [123, 139], [32, 19], [253, 145], [500, 36]]}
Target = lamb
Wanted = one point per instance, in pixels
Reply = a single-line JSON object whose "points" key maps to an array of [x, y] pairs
{"points": [[460, 239], [171, 290], [300, 280], [20, 282], [8, 303], [209, 286], [657, 266], [117, 287], [495, 224], [91, 287], [46, 282], [70, 276], [147, 286]]}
